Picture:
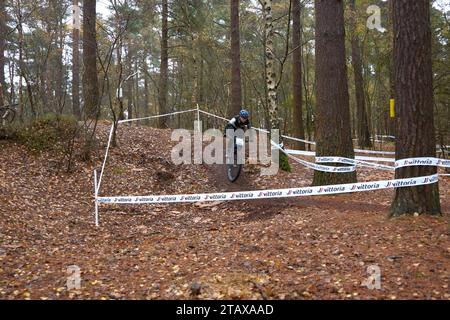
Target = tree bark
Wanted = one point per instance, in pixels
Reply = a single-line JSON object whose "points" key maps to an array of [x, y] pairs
{"points": [[12, 75], [3, 32], [333, 133], [236, 95], [414, 90], [195, 62], [146, 89], [76, 61], [164, 66], [271, 79], [20, 62], [363, 132], [90, 79], [390, 130], [59, 43], [129, 83], [299, 131], [305, 80], [119, 72], [270, 68]]}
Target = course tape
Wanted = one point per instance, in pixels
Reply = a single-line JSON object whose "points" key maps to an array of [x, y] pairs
{"points": [[320, 167], [274, 193], [157, 116], [315, 166], [359, 161], [421, 161], [353, 162], [213, 115], [313, 154]]}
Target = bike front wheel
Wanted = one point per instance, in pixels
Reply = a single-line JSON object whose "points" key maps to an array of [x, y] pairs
{"points": [[233, 171]]}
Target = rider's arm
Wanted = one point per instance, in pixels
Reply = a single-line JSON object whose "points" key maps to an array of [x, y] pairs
{"points": [[230, 125], [232, 122]]}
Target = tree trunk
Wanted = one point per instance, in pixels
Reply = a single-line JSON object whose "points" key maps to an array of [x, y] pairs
{"points": [[271, 79], [23, 74], [136, 95], [20, 62], [129, 84], [414, 90], [236, 95], [270, 68], [12, 75], [90, 79], [59, 92], [49, 84], [164, 66], [3, 32], [390, 130], [309, 113], [333, 133], [146, 90], [299, 131], [76, 61], [195, 61], [362, 131]]}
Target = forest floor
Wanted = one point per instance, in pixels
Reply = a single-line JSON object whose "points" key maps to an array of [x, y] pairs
{"points": [[295, 248]]}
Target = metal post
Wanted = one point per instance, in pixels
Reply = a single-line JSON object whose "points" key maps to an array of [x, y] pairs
{"points": [[96, 196], [198, 118]]}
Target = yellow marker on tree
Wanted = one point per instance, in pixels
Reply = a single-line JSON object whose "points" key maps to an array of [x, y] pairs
{"points": [[392, 110]]}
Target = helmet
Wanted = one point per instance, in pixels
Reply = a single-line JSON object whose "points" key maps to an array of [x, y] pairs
{"points": [[244, 114]]}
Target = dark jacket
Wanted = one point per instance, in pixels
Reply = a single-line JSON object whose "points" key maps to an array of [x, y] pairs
{"points": [[235, 123]]}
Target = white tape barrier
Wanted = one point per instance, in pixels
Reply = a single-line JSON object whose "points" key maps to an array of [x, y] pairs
{"points": [[273, 193], [213, 115], [315, 166], [364, 158], [297, 139], [373, 151], [353, 162], [157, 116], [421, 161], [359, 160], [381, 136], [323, 168]]}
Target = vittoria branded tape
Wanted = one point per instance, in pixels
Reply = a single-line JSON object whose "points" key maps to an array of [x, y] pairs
{"points": [[273, 193]]}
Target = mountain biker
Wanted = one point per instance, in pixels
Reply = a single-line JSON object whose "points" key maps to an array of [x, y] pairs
{"points": [[241, 121]]}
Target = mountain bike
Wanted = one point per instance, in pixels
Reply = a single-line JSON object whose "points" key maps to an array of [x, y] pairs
{"points": [[234, 168]]}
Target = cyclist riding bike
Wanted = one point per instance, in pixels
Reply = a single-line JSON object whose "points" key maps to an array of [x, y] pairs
{"points": [[241, 121]]}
